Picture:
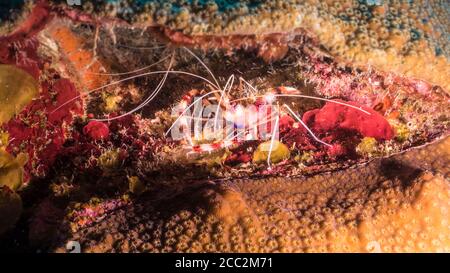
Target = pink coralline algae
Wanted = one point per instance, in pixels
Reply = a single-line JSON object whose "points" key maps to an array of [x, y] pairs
{"points": [[96, 130], [285, 123], [298, 137], [336, 116], [40, 129], [238, 157], [337, 150], [65, 91]]}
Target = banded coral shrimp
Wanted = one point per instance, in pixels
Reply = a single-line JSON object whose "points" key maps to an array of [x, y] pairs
{"points": [[243, 120]]}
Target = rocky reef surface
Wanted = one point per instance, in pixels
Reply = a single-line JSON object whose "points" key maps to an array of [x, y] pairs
{"points": [[88, 93]]}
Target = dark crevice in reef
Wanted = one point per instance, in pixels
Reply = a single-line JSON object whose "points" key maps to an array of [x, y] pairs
{"points": [[393, 169], [10, 9]]}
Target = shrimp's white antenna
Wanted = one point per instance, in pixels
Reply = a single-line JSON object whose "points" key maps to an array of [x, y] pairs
{"points": [[148, 100], [305, 126], [130, 72], [130, 78], [324, 99], [217, 85], [272, 141], [204, 65], [307, 97], [248, 84], [141, 47]]}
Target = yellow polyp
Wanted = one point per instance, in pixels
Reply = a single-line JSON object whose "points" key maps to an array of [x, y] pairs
{"points": [[367, 146], [17, 89], [109, 160], [279, 152], [402, 132], [112, 103]]}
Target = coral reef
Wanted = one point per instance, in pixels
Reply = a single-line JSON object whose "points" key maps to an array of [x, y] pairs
{"points": [[403, 36], [89, 95], [336, 116], [96, 130], [370, 208]]}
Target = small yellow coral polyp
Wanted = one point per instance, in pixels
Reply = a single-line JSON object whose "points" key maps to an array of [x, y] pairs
{"points": [[367, 147], [279, 152], [109, 160], [17, 89], [111, 103]]}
